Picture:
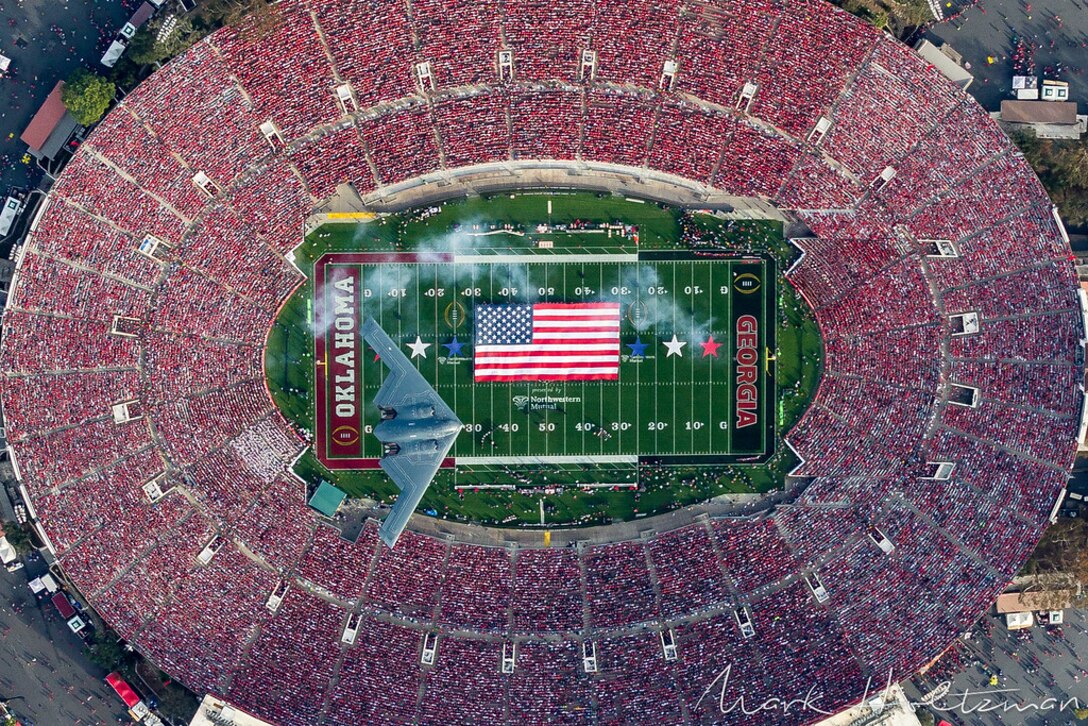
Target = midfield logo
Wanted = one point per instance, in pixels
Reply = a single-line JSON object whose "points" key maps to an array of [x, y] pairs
{"points": [[543, 403], [747, 283]]}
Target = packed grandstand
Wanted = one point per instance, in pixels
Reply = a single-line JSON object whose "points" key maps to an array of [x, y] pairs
{"points": [[937, 447]]}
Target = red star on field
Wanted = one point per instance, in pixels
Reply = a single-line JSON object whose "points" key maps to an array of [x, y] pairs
{"points": [[710, 347]]}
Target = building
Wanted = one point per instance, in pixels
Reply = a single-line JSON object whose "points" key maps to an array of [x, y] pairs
{"points": [[51, 128], [327, 499], [1022, 602], [946, 60], [1019, 608], [1049, 119], [215, 711], [887, 706]]}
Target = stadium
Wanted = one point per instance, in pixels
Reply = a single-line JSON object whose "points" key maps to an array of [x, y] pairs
{"points": [[158, 456]]}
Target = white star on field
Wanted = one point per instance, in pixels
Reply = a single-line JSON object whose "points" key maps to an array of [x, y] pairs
{"points": [[419, 348], [674, 347]]}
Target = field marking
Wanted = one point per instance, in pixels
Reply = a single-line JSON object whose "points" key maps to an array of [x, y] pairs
{"points": [[552, 459], [638, 368], [600, 290], [542, 259], [763, 368], [701, 270], [691, 409], [731, 400]]}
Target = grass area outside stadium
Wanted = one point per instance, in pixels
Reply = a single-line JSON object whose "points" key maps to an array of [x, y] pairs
{"points": [[575, 225]]}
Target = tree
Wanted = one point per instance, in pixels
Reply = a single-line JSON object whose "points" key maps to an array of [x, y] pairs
{"points": [[105, 651], [911, 13], [925, 717], [867, 12], [1072, 165], [1062, 166], [150, 45], [898, 16], [1061, 554], [87, 96], [19, 538], [260, 16]]}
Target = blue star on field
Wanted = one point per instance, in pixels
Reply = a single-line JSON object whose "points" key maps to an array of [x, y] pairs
{"points": [[454, 346], [638, 348]]}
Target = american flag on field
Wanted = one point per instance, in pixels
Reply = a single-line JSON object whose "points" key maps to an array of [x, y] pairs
{"points": [[547, 342]]}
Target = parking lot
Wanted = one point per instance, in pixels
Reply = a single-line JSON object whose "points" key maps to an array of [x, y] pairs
{"points": [[1057, 29], [1031, 666], [46, 41], [43, 669]]}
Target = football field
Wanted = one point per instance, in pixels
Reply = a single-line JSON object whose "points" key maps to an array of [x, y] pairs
{"points": [[694, 384]]}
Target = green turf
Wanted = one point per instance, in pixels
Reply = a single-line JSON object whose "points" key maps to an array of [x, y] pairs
{"points": [[660, 406], [461, 225]]}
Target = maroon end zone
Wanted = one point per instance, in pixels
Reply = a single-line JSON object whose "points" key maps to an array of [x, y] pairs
{"points": [[338, 351]]}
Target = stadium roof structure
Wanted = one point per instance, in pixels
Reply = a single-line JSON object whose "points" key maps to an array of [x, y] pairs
{"points": [[327, 499], [872, 567]]}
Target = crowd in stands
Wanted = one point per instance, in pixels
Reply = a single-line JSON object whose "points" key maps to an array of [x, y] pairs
{"points": [[474, 130], [618, 127], [547, 593], [126, 143], [632, 40], [689, 140], [206, 433], [896, 100], [296, 95], [675, 556], [458, 38], [547, 39], [618, 586], [371, 49], [75, 292], [69, 233], [292, 660], [755, 161], [467, 601], [814, 48], [197, 91], [720, 46]]}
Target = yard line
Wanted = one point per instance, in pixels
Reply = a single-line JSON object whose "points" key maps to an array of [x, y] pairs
{"points": [[490, 296], [763, 368], [638, 368], [472, 284], [672, 384], [691, 409], [729, 396], [601, 396], [710, 392]]}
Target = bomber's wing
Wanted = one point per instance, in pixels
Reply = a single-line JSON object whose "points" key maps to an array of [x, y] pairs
{"points": [[412, 473], [403, 384]]}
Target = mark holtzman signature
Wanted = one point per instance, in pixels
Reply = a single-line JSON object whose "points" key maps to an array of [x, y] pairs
{"points": [[961, 702]]}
